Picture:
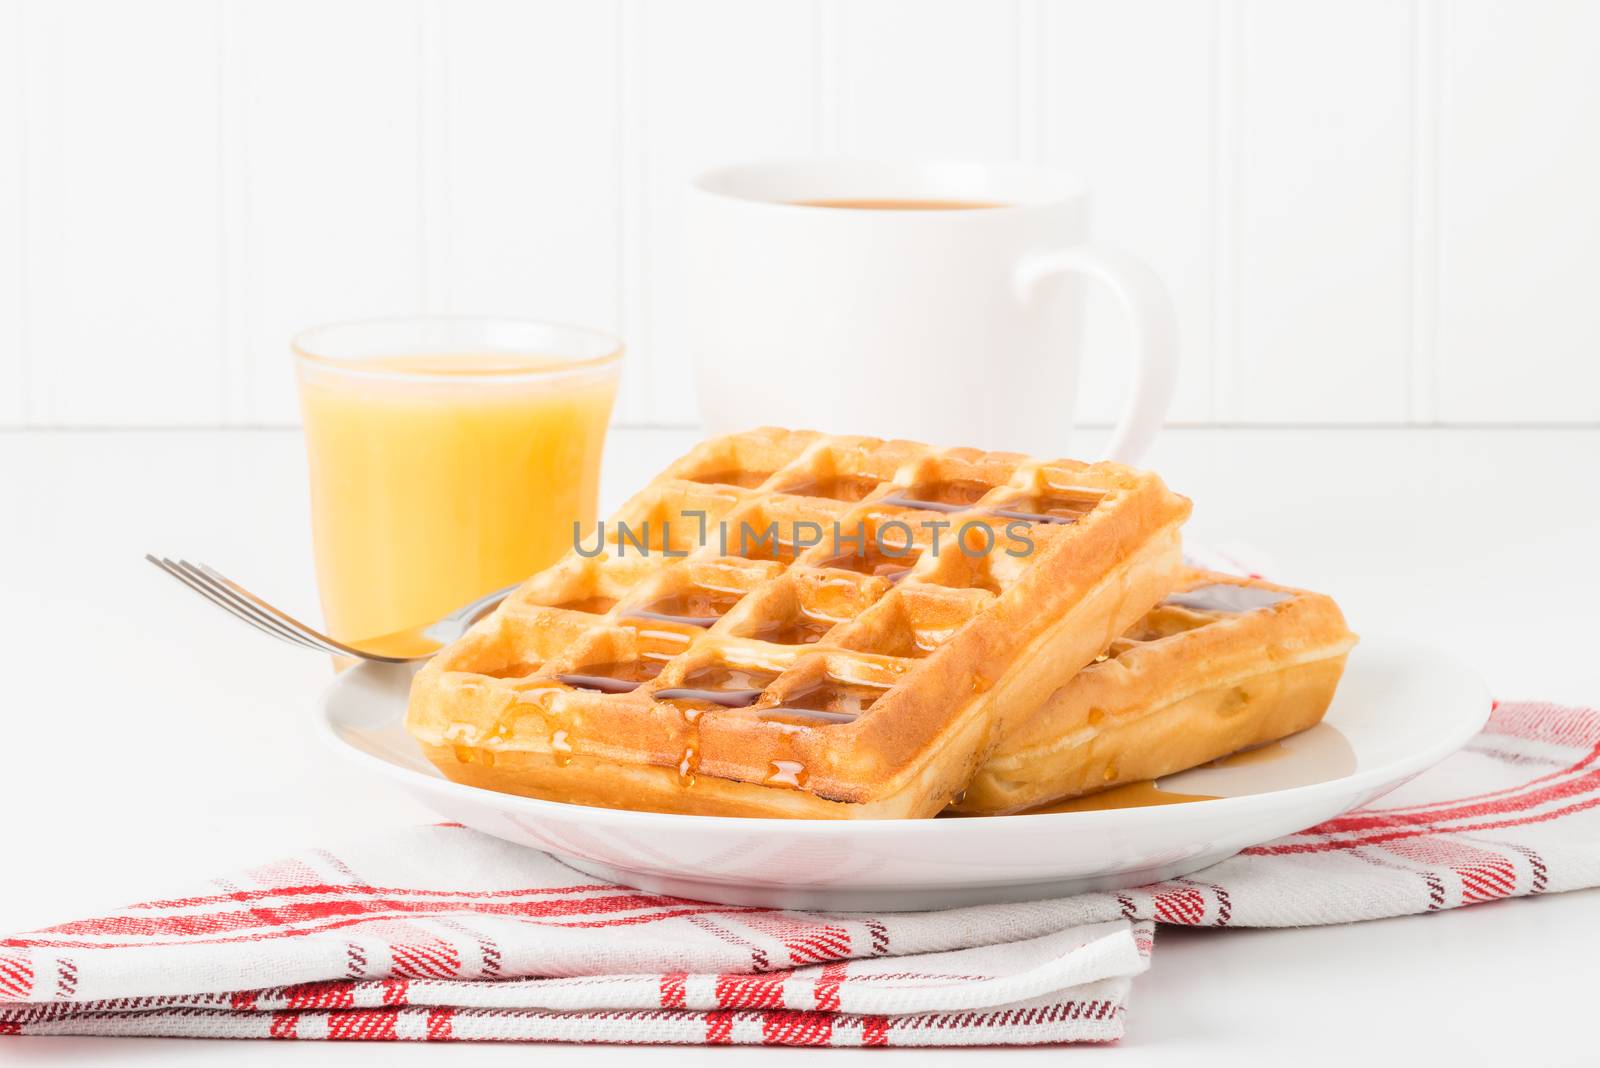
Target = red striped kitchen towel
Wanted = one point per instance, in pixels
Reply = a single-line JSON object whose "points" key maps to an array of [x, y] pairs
{"points": [[440, 933]]}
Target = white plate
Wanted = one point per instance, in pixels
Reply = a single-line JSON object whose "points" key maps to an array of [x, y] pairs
{"points": [[1401, 708]]}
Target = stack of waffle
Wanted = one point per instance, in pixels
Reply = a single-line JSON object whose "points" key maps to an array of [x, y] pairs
{"points": [[790, 624]]}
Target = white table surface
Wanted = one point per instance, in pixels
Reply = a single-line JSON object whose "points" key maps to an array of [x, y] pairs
{"points": [[148, 741]]}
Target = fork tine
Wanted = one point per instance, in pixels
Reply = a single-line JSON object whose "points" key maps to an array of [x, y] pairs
{"points": [[171, 568], [243, 610], [255, 610], [277, 615]]}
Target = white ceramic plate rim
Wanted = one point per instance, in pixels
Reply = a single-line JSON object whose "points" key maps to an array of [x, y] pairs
{"points": [[1356, 783]]}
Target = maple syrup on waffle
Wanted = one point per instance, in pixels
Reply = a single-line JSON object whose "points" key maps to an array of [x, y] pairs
{"points": [[1227, 598], [870, 558], [1162, 621], [763, 545], [1146, 793], [596, 605], [951, 495], [517, 669], [838, 701], [697, 606], [615, 677], [1063, 506], [710, 686], [835, 487], [786, 773], [799, 629], [1132, 795], [805, 717], [740, 478], [720, 685]]}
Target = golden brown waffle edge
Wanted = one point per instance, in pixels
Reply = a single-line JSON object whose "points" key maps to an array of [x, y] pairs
{"points": [[849, 684], [1190, 682]]}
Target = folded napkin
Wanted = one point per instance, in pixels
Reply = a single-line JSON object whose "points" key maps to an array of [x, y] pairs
{"points": [[440, 933]]}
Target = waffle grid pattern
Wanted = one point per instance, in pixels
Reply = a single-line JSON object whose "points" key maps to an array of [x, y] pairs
{"points": [[781, 579]]}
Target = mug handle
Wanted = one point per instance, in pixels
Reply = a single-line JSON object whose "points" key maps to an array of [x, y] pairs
{"points": [[1155, 334]]}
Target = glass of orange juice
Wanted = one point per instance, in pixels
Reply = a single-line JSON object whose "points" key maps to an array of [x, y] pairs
{"points": [[449, 456]]}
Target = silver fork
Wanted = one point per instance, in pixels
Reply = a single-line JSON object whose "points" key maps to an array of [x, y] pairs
{"points": [[403, 646]]}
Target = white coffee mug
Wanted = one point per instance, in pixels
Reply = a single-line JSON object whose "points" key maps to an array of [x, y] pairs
{"points": [[959, 326]]}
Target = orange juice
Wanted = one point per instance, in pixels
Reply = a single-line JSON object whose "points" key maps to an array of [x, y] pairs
{"points": [[437, 477]]}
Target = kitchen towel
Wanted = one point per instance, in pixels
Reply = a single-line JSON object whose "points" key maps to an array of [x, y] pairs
{"points": [[440, 933]]}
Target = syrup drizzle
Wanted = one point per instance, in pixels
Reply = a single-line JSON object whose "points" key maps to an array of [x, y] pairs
{"points": [[561, 748], [718, 684], [538, 694], [952, 495], [613, 677], [599, 683], [811, 715], [1329, 758], [1049, 508], [787, 773], [1227, 597], [740, 478], [1033, 517], [1132, 795], [666, 617], [517, 669], [725, 698], [834, 487], [901, 501], [595, 605], [872, 560], [832, 697], [804, 629], [699, 606], [764, 548], [657, 645]]}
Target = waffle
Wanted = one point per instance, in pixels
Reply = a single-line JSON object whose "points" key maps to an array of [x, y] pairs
{"points": [[669, 664], [1222, 664]]}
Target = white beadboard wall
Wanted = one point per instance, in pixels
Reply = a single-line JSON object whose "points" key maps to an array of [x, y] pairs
{"points": [[1369, 211]]}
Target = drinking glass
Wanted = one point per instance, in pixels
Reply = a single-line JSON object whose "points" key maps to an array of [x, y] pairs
{"points": [[449, 456]]}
